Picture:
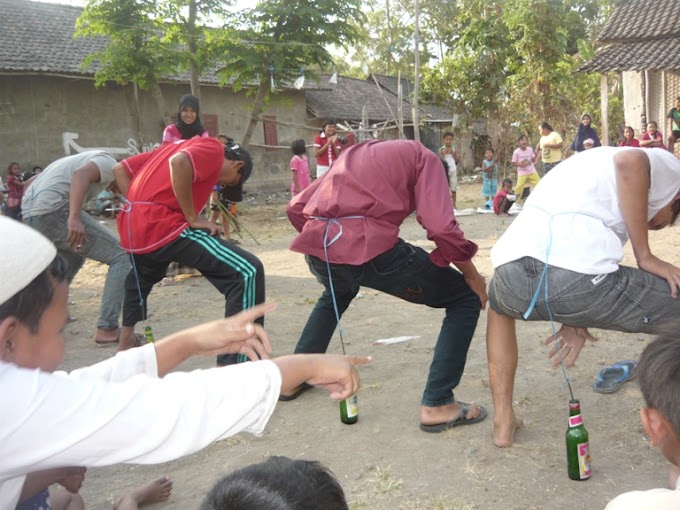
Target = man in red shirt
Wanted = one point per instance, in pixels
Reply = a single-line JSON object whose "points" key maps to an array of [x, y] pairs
{"points": [[161, 223], [351, 219]]}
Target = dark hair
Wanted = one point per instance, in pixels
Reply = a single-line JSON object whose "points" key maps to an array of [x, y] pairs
{"points": [[490, 149], [658, 373], [545, 125], [523, 136], [9, 167], [279, 483], [29, 304], [628, 127], [235, 152], [653, 122], [37, 168], [195, 128], [298, 147], [507, 181], [448, 133], [328, 122], [228, 139]]}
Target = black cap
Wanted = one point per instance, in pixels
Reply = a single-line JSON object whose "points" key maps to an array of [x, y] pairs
{"points": [[235, 152]]}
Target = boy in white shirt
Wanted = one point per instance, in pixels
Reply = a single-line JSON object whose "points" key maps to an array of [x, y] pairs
{"points": [[568, 246], [128, 408], [659, 376]]}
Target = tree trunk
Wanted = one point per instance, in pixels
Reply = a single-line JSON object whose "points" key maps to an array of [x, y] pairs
{"points": [[258, 105], [138, 113], [159, 99], [193, 48]]}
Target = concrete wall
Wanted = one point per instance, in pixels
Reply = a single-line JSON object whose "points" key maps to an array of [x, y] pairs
{"points": [[633, 100], [43, 118]]}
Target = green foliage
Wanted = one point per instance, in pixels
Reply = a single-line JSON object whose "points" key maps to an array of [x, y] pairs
{"points": [[136, 51]]}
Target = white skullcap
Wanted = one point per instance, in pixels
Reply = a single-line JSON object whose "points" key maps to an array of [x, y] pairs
{"points": [[24, 255]]}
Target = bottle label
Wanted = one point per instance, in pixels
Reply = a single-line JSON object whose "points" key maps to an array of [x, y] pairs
{"points": [[575, 421], [583, 450], [352, 404]]}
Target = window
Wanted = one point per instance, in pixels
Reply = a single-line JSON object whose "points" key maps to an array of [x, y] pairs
{"points": [[271, 134]]}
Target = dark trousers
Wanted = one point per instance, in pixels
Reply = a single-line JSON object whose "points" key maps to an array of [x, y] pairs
{"points": [[236, 273], [406, 272]]}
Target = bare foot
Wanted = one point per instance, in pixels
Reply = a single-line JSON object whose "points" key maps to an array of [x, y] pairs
{"points": [[153, 492], [106, 336], [443, 414], [504, 433], [127, 339]]}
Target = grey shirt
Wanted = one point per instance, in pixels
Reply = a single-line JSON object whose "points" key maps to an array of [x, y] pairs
{"points": [[52, 188]]}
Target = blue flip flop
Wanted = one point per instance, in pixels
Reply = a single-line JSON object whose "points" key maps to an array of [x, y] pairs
{"points": [[612, 377]]}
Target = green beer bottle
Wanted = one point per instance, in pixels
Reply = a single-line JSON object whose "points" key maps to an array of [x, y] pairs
{"points": [[349, 410], [578, 449], [148, 334]]}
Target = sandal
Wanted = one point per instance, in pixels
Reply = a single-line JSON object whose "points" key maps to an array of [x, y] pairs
{"points": [[612, 377], [458, 420], [296, 393]]}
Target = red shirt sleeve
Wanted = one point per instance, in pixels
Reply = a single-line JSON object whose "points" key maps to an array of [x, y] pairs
{"points": [[435, 212]]}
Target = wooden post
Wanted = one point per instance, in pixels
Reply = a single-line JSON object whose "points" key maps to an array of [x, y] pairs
{"points": [[604, 105], [416, 86]]}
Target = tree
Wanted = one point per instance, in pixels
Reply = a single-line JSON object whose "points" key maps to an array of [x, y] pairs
{"points": [[283, 38], [135, 51]]}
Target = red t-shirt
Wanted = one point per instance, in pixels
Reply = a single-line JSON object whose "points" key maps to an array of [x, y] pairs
{"points": [[327, 157], [633, 143], [155, 217], [500, 195]]}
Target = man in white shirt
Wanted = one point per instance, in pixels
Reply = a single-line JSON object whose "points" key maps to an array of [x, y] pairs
{"points": [[560, 260], [128, 408], [659, 376]]}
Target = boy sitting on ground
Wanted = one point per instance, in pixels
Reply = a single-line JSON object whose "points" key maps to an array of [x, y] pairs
{"points": [[659, 375], [504, 199]]}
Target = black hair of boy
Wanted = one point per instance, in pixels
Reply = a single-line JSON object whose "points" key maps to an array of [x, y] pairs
{"points": [[279, 483], [507, 181], [447, 133], [30, 303], [547, 126], [298, 147], [329, 122], [658, 374], [490, 150]]}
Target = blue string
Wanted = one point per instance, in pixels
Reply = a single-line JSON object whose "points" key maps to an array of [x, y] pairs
{"points": [[326, 245]]}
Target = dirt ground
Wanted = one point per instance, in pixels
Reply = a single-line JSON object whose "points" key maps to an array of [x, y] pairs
{"points": [[385, 462]]}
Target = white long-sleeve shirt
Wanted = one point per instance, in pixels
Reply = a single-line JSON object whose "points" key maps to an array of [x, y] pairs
{"points": [[120, 411]]}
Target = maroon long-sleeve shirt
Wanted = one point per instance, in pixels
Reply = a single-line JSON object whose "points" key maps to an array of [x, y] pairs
{"points": [[369, 191]]}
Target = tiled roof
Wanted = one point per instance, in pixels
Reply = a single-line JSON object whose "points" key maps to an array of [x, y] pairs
{"points": [[346, 100], [38, 37], [639, 35], [390, 83], [642, 19]]}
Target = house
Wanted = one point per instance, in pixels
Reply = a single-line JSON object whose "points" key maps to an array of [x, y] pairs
{"points": [[375, 108], [50, 107], [641, 40]]}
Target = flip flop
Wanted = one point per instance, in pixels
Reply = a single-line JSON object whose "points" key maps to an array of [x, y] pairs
{"points": [[612, 377], [298, 391], [458, 420]]}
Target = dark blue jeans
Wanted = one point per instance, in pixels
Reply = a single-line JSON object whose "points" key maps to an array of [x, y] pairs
{"points": [[406, 272]]}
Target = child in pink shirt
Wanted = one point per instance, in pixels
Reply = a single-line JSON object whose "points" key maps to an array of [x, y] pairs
{"points": [[299, 167]]}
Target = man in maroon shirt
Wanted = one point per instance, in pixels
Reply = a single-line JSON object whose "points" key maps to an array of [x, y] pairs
{"points": [[351, 219]]}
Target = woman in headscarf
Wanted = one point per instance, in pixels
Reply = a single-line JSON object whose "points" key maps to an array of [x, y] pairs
{"points": [[585, 131], [188, 122]]}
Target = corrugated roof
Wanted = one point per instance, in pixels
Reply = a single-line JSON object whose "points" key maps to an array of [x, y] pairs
{"points": [[639, 35]]}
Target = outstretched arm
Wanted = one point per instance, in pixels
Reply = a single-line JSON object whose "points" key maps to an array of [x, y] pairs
{"points": [[81, 181]]}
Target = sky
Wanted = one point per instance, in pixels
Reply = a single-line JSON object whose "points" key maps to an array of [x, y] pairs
{"points": [[240, 4]]}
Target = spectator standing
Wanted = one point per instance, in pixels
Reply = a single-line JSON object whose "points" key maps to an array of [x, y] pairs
{"points": [[549, 147], [449, 154], [299, 167], [15, 188], [585, 131], [674, 124], [326, 147], [523, 159]]}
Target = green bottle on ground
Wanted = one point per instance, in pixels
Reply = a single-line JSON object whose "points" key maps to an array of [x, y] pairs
{"points": [[148, 334], [349, 410], [578, 448]]}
